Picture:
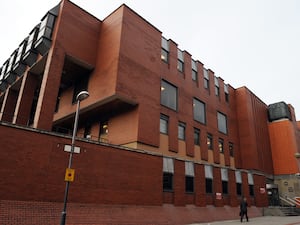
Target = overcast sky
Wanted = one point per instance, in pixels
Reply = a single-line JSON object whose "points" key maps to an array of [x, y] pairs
{"points": [[253, 43]]}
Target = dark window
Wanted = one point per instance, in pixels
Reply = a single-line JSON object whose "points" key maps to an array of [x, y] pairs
{"points": [[103, 127], [87, 131], [181, 131], [208, 185], [206, 83], [189, 184], [251, 190], [196, 136], [206, 78], [221, 145], [225, 187], [222, 122], [209, 142], [199, 111], [194, 75], [167, 181], [239, 188], [80, 85], [180, 65], [231, 149], [217, 91], [164, 55], [168, 95], [164, 121], [226, 97]]}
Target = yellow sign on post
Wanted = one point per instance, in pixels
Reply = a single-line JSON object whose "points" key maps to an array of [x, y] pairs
{"points": [[70, 174]]}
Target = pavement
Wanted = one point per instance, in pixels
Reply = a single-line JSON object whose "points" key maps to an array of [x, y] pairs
{"points": [[264, 220]]}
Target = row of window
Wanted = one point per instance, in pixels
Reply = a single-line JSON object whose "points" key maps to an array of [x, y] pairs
{"points": [[169, 98], [164, 124], [168, 172], [180, 67]]}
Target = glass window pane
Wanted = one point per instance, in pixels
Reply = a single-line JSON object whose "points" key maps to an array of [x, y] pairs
{"points": [[199, 111], [168, 95], [222, 123]]}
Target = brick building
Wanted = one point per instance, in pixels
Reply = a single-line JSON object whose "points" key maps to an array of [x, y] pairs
{"points": [[158, 128]]}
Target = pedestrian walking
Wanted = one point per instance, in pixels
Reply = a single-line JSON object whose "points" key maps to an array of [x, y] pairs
{"points": [[243, 209]]}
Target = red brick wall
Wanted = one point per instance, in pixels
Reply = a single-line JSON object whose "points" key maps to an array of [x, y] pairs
{"points": [[33, 165], [255, 150]]}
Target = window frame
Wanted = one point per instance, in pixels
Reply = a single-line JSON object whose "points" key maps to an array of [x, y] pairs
{"points": [[221, 145], [221, 122], [166, 99], [199, 111], [210, 141], [197, 138], [166, 120], [181, 130]]}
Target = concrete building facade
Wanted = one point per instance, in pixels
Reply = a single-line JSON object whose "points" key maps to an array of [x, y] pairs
{"points": [[158, 128]]}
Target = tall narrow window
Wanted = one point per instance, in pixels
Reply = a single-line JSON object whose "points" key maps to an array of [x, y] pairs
{"points": [[165, 50], [251, 184], [209, 142], [168, 171], [238, 179], [224, 177], [196, 136], [180, 61], [194, 71], [164, 123], [231, 149], [222, 122], [217, 87], [206, 78], [208, 179], [226, 92], [181, 131], [221, 145], [199, 111], [189, 177], [168, 96]]}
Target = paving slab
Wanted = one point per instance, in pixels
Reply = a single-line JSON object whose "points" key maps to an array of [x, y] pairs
{"points": [[265, 220]]}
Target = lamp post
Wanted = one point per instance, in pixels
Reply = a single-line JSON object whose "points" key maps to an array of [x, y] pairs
{"points": [[80, 96]]}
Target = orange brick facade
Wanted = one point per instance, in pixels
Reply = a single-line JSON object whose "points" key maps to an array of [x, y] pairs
{"points": [[119, 62]]}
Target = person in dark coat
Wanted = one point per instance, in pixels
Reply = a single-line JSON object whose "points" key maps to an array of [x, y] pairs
{"points": [[243, 209]]}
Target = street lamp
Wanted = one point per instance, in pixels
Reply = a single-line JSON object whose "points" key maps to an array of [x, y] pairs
{"points": [[80, 96]]}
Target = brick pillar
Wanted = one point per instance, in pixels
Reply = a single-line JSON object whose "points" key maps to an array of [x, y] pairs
{"points": [[245, 186], [199, 186], [233, 199], [8, 105], [261, 198], [25, 99], [217, 184], [173, 134], [49, 89], [179, 183]]}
